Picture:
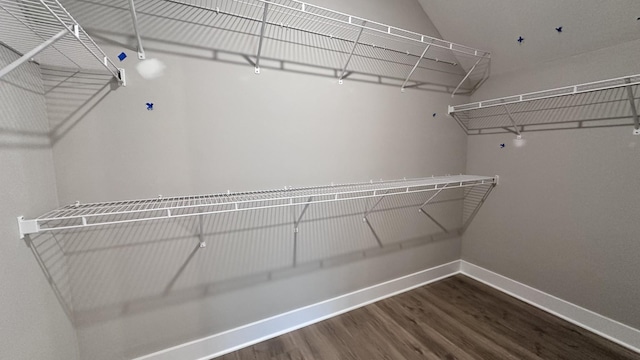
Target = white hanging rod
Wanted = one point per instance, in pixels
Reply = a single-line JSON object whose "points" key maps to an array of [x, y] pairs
{"points": [[98, 214]]}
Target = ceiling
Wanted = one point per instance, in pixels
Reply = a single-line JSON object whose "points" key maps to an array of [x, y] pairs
{"points": [[495, 25]]}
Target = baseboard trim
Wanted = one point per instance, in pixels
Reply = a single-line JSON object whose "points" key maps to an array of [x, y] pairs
{"points": [[253, 333], [607, 328]]}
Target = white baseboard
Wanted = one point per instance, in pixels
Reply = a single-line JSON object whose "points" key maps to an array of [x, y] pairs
{"points": [[234, 339], [610, 329]]}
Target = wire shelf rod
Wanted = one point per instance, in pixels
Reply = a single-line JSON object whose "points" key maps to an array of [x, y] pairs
{"points": [[97, 214], [555, 93]]}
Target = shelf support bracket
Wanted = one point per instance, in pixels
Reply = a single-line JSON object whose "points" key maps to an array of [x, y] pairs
{"points": [[203, 244], [513, 122], [364, 217], [475, 211], [353, 50], [264, 22], [296, 223], [304, 210], [466, 76], [404, 84], [26, 227], [634, 110], [28, 56], [134, 18], [421, 209]]}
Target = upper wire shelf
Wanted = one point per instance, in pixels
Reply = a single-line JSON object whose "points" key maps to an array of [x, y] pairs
{"points": [[300, 34], [43, 31], [97, 214], [611, 102]]}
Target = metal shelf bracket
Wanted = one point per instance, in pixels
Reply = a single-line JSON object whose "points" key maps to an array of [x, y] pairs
{"points": [[264, 21], [353, 49], [404, 85], [634, 110], [26, 227], [134, 19], [515, 127]]}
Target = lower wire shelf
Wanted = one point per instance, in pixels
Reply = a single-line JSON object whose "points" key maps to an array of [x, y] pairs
{"points": [[79, 215]]}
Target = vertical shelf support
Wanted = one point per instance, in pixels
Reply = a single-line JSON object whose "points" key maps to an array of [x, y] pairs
{"points": [[634, 110], [134, 18], [296, 223], [364, 217], [515, 127], [421, 209], [262, 27], [366, 220], [404, 84], [466, 76], [353, 50], [203, 244], [28, 56]]}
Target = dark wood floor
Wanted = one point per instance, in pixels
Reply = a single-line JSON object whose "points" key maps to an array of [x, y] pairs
{"points": [[456, 318]]}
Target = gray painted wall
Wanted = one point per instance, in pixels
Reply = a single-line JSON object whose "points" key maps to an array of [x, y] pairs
{"points": [[217, 126], [565, 216], [34, 324]]}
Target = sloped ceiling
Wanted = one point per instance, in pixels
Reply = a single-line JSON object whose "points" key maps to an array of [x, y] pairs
{"points": [[495, 25]]}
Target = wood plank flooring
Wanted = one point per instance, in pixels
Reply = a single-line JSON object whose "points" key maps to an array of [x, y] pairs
{"points": [[456, 318]]}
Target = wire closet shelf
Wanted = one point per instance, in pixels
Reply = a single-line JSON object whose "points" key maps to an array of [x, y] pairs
{"points": [[78, 215], [43, 31], [605, 103], [271, 29]]}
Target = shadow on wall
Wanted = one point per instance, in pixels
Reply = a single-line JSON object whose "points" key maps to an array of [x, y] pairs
{"points": [[22, 107], [188, 29], [65, 96], [105, 273], [71, 94]]}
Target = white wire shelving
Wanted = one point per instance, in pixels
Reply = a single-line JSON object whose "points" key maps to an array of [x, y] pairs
{"points": [[605, 103], [309, 34], [43, 31], [78, 216]]}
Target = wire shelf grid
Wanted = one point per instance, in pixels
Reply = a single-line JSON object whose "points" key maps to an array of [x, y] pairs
{"points": [[298, 33], [611, 102], [105, 213], [27, 24]]}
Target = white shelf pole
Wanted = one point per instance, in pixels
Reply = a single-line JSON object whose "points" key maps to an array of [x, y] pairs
{"points": [[28, 56], [404, 84], [515, 127], [355, 44], [634, 110], [366, 213], [264, 21], [466, 76], [134, 18]]}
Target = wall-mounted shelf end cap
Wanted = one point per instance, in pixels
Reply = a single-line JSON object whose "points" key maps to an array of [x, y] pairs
{"points": [[26, 227], [122, 78], [497, 181], [449, 110]]}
